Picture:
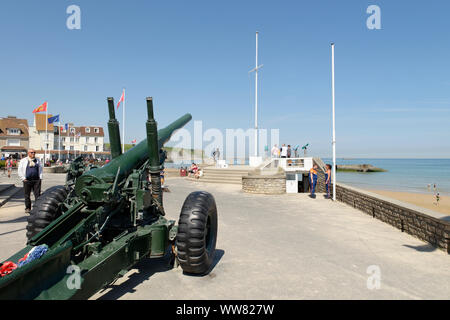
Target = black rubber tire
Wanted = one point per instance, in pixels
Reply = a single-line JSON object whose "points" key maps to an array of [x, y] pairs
{"points": [[45, 210], [197, 233]]}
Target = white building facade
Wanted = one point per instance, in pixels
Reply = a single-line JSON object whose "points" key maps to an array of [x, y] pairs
{"points": [[59, 143]]}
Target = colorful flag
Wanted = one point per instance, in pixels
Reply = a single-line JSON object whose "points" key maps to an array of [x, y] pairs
{"points": [[41, 108], [66, 126], [53, 119], [134, 141], [121, 99]]}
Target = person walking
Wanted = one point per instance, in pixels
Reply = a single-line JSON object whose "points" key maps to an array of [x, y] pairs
{"points": [[313, 180], [328, 180], [283, 151], [9, 165], [289, 151], [275, 151], [30, 172]]}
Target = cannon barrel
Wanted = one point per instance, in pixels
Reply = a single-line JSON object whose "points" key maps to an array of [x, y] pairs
{"points": [[113, 129], [122, 165]]}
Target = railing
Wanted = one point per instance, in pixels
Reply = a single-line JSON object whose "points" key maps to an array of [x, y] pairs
{"points": [[288, 164]]}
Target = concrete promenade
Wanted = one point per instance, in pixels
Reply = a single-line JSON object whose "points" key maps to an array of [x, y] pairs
{"points": [[275, 247]]}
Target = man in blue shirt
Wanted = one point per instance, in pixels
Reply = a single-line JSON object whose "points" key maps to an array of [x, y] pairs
{"points": [[30, 172]]}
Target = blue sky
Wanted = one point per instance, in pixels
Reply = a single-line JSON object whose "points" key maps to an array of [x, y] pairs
{"points": [[392, 85]]}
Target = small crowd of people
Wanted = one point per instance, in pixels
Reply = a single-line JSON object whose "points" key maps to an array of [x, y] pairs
{"points": [[193, 171], [284, 151], [313, 180]]}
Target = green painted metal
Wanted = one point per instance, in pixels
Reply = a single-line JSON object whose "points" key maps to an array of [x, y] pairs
{"points": [[113, 130], [112, 218], [124, 164]]}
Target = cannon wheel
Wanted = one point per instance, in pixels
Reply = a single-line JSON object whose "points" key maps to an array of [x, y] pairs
{"points": [[45, 210], [197, 233]]}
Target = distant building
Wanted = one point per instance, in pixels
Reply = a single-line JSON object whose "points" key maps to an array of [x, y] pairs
{"points": [[14, 136], [85, 140], [40, 139]]}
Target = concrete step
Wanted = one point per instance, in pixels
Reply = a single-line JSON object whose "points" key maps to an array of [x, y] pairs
{"points": [[227, 181], [221, 179], [227, 171], [7, 193], [218, 175]]}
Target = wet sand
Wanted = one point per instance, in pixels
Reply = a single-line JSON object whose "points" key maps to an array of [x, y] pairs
{"points": [[419, 199]]}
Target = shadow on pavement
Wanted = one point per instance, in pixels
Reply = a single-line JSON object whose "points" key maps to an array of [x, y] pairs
{"points": [[424, 248], [217, 256], [4, 233], [16, 220], [147, 268]]}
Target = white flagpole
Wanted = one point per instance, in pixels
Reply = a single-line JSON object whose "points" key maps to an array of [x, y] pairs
{"points": [[334, 128], [256, 98], [123, 125], [74, 145], [68, 144], [46, 134], [59, 139]]}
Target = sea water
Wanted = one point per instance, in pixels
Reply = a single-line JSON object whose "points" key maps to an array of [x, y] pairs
{"points": [[407, 175]]}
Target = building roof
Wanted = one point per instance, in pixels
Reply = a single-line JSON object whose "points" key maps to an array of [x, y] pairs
{"points": [[13, 148], [39, 120], [84, 133], [13, 123]]}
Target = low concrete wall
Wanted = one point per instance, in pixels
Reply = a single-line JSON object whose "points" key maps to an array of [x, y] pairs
{"points": [[427, 225], [56, 169], [262, 184], [432, 227]]}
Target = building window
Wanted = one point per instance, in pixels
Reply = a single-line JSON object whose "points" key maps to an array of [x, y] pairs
{"points": [[95, 140], [88, 130], [97, 148], [85, 148], [77, 140], [96, 130], [14, 131], [14, 142], [71, 140], [71, 148]]}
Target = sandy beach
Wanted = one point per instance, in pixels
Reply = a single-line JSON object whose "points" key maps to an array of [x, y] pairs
{"points": [[419, 199]]}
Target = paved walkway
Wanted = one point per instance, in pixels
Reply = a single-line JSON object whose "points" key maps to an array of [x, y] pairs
{"points": [[277, 247]]}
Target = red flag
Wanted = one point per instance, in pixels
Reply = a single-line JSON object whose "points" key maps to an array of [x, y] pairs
{"points": [[134, 141], [121, 99], [41, 108]]}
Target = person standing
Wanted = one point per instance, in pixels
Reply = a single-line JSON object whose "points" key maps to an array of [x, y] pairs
{"points": [[313, 180], [218, 154], [9, 165], [30, 172], [283, 151], [328, 180], [289, 151], [275, 151]]}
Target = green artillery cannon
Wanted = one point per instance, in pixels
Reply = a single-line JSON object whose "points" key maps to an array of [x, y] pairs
{"points": [[106, 219]]}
